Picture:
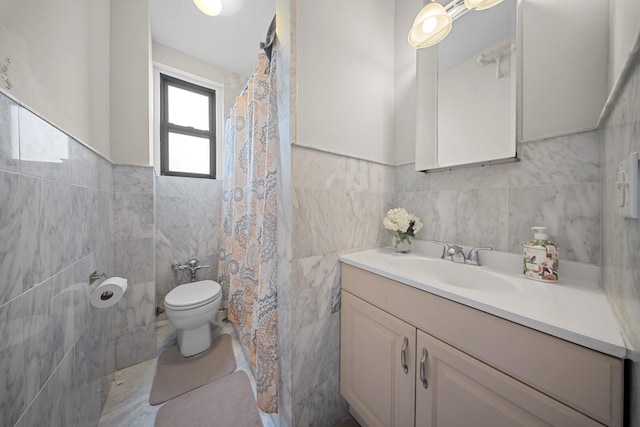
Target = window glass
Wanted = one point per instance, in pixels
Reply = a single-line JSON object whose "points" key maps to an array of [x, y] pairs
{"points": [[189, 154], [188, 108]]}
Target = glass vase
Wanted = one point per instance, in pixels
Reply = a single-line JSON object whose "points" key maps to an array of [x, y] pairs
{"points": [[403, 246]]}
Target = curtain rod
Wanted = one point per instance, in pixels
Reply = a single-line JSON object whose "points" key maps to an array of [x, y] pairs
{"points": [[267, 46]]}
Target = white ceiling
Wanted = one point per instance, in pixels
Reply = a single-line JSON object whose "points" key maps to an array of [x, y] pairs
{"points": [[230, 40]]}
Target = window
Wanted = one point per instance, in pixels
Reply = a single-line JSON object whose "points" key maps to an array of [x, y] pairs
{"points": [[187, 129]]}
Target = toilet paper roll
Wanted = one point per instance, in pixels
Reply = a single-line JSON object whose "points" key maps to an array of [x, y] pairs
{"points": [[108, 292]]}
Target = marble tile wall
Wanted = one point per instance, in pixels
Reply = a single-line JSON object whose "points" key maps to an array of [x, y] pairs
{"points": [[620, 236], [282, 55], [338, 204], [134, 259], [556, 184], [188, 212], [57, 352]]}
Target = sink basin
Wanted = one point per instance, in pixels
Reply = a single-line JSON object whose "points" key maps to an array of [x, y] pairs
{"points": [[453, 274]]}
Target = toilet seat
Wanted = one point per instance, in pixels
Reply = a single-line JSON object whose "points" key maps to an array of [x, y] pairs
{"points": [[192, 295]]}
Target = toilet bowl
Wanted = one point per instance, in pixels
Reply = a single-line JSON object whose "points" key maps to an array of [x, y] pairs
{"points": [[190, 308]]}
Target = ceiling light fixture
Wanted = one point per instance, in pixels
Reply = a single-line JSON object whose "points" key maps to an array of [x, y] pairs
{"points": [[209, 7], [481, 4], [432, 24]]}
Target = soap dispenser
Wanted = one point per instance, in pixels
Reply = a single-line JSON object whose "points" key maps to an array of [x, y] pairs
{"points": [[541, 257]]}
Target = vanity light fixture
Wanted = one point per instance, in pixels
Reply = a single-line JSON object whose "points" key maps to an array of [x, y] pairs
{"points": [[432, 24], [209, 7], [434, 21], [480, 4]]}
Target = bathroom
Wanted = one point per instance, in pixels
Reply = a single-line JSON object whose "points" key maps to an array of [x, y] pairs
{"points": [[346, 161]]}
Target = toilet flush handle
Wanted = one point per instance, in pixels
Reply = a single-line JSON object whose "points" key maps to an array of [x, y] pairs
{"points": [[191, 265], [195, 268], [194, 265]]}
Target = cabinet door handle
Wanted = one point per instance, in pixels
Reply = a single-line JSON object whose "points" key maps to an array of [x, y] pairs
{"points": [[403, 355], [423, 363]]}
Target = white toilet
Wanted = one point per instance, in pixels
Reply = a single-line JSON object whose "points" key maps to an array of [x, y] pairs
{"points": [[190, 308]]}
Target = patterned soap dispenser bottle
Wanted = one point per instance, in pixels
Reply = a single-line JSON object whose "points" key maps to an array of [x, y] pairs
{"points": [[541, 257]]}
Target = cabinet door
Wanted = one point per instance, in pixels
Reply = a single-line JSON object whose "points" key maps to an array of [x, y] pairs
{"points": [[462, 391], [375, 350]]}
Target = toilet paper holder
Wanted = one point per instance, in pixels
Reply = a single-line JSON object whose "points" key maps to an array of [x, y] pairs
{"points": [[107, 293], [96, 276]]}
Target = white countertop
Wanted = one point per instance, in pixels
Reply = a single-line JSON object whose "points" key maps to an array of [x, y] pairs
{"points": [[572, 309]]}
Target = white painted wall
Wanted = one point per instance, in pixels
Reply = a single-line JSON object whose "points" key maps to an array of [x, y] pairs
{"points": [[100, 76], [59, 62], [405, 89], [345, 80], [131, 83], [625, 30], [171, 58]]}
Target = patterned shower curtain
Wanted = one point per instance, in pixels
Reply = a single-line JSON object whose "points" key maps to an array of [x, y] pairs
{"points": [[248, 256]]}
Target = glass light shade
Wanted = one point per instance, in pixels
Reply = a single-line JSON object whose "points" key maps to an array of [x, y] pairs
{"points": [[209, 7], [481, 4], [432, 24]]}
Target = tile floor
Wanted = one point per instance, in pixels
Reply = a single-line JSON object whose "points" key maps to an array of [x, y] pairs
{"points": [[127, 404]]}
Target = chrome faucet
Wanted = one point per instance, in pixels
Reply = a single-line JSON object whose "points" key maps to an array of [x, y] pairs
{"points": [[456, 254], [445, 247], [472, 258], [192, 265], [451, 252]]}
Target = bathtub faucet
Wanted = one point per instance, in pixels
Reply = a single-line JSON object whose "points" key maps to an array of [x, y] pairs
{"points": [[192, 265]]}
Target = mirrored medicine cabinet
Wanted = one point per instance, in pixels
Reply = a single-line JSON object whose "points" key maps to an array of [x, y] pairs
{"points": [[523, 70]]}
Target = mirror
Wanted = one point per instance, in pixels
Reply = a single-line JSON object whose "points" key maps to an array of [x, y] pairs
{"points": [[467, 91]]}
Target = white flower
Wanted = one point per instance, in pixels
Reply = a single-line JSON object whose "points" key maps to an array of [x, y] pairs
{"points": [[397, 220], [417, 225], [402, 222]]}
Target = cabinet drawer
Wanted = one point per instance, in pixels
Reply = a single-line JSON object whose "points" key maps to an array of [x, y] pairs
{"points": [[589, 381]]}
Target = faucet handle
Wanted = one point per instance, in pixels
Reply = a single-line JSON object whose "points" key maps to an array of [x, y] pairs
{"points": [[445, 247], [456, 254], [202, 266], [472, 258]]}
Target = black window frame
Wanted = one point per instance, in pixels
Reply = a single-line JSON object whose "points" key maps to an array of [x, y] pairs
{"points": [[166, 127]]}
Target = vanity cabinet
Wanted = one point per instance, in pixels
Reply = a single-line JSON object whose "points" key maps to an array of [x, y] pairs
{"points": [[410, 358]]}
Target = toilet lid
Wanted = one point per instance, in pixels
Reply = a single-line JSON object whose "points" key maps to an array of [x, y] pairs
{"points": [[193, 294]]}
